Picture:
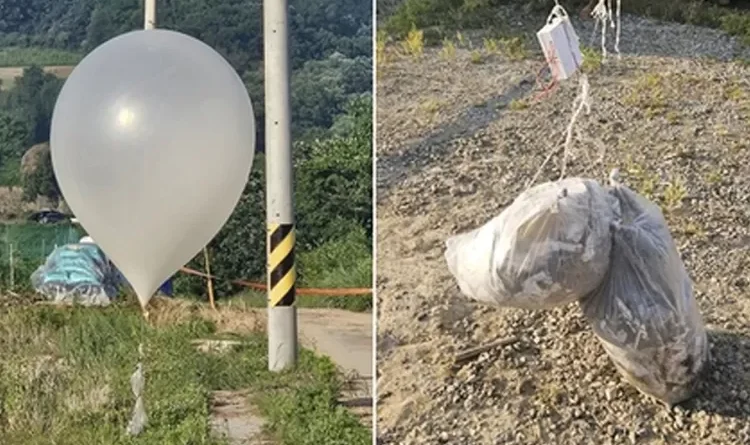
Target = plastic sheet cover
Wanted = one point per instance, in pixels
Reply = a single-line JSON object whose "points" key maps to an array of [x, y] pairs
{"points": [[645, 314], [550, 247], [77, 273]]}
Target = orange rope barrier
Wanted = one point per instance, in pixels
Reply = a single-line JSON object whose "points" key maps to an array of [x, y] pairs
{"points": [[300, 291]]}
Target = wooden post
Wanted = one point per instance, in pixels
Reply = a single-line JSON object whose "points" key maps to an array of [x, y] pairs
{"points": [[210, 282]]}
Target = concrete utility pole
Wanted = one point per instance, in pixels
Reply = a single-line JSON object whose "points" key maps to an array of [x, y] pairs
{"points": [[282, 313], [149, 15]]}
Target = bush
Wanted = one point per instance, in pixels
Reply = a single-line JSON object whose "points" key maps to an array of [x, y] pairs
{"points": [[334, 184]]}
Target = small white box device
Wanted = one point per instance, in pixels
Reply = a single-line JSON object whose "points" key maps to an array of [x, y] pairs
{"points": [[560, 45]]}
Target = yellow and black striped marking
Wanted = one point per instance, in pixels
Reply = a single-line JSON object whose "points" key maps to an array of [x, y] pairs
{"points": [[281, 264]]}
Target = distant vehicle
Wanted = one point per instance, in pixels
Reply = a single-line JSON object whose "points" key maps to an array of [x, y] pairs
{"points": [[47, 216]]}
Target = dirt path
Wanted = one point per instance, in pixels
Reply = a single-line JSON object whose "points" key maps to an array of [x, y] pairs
{"points": [[345, 337], [233, 418], [454, 148]]}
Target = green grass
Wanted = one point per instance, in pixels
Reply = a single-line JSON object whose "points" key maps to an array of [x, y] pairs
{"points": [[24, 56], [33, 241], [82, 395], [257, 299], [341, 263], [443, 17], [10, 172]]}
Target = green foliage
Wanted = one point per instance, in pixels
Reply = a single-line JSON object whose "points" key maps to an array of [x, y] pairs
{"points": [[82, 394], [334, 205], [42, 181], [443, 14], [10, 172], [413, 43], [309, 416], [334, 183], [28, 107], [343, 262], [592, 60], [331, 45], [737, 25], [331, 57], [30, 243], [450, 15], [14, 136], [239, 250], [321, 89]]}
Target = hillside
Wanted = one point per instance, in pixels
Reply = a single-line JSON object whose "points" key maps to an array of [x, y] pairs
{"points": [[461, 130], [331, 63]]}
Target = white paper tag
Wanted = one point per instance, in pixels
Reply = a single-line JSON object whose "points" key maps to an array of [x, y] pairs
{"points": [[560, 44]]}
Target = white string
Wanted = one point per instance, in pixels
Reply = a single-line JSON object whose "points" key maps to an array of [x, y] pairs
{"points": [[603, 12], [582, 102], [557, 11], [137, 383], [600, 15], [617, 32]]}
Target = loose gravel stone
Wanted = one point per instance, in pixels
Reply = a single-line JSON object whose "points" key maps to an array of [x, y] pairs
{"points": [[673, 116]]}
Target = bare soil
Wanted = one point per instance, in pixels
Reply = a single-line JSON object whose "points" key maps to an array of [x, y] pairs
{"points": [[234, 419], [458, 140]]}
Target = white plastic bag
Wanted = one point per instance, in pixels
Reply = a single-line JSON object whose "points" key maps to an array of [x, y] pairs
{"points": [[139, 420], [644, 313], [550, 247]]}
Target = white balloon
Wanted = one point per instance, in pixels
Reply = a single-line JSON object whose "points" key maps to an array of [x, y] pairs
{"points": [[152, 142]]}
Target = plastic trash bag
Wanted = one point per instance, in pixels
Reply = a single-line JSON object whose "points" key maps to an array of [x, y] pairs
{"points": [[550, 247], [644, 313], [77, 273], [138, 421]]}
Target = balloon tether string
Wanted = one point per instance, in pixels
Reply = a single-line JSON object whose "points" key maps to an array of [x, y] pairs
{"points": [[581, 103], [137, 382]]}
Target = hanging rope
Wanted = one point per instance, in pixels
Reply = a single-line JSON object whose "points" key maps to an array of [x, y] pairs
{"points": [[603, 13], [581, 103], [137, 384]]}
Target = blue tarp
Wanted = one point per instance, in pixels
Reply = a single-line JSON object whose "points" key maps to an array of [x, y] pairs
{"points": [[77, 273]]}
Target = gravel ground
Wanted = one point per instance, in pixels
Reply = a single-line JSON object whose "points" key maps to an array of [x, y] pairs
{"points": [[455, 146]]}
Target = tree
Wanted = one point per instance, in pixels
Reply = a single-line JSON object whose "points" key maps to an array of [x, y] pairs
{"points": [[32, 101], [239, 250], [41, 180], [322, 88], [14, 136], [334, 184]]}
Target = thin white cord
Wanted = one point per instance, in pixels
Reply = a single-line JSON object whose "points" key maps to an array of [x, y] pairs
{"points": [[619, 27], [603, 12], [582, 102], [600, 14]]}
